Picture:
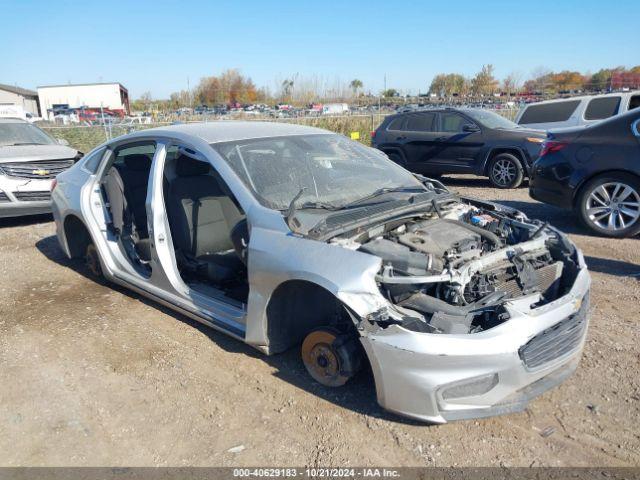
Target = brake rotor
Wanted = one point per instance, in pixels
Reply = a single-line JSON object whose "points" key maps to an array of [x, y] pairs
{"points": [[322, 360], [92, 260]]}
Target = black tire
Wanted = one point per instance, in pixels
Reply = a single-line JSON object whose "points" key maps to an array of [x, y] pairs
{"points": [[596, 212], [92, 262], [505, 171], [331, 358]]}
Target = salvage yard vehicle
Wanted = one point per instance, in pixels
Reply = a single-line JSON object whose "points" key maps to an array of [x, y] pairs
{"points": [[29, 161], [595, 171], [283, 235], [460, 140], [576, 111]]}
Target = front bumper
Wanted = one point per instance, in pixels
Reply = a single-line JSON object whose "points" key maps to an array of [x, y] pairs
{"points": [[415, 372], [21, 196]]}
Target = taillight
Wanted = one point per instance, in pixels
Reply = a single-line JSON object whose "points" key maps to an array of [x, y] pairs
{"points": [[54, 183], [373, 134], [551, 146]]}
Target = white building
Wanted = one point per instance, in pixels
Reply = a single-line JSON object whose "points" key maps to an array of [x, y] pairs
{"points": [[111, 96], [21, 97]]}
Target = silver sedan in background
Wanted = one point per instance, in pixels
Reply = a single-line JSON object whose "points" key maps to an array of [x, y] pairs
{"points": [[29, 161], [284, 235]]}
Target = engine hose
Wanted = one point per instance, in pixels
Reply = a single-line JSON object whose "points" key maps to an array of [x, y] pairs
{"points": [[427, 304], [489, 236]]}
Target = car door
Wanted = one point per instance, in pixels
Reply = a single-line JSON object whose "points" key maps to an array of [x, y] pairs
{"points": [[417, 141], [206, 301], [458, 142]]}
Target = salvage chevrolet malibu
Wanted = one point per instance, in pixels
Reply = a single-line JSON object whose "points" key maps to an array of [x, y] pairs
{"points": [[283, 235]]}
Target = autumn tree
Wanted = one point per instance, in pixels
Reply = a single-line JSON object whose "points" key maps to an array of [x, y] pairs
{"points": [[511, 83], [448, 84], [484, 83], [230, 87]]}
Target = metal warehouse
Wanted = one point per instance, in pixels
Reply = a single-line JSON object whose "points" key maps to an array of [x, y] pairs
{"points": [[27, 99], [112, 96]]}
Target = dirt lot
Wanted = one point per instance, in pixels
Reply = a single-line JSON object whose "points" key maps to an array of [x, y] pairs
{"points": [[92, 375]]}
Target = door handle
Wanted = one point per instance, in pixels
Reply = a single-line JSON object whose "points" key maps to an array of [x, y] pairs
{"points": [[401, 138], [161, 238]]}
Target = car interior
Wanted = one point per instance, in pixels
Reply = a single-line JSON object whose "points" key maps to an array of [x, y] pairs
{"points": [[208, 227], [125, 188]]}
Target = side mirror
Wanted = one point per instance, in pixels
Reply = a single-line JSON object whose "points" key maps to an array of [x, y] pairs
{"points": [[470, 128], [62, 141]]}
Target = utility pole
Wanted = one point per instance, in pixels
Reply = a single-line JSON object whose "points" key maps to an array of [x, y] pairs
{"points": [[189, 93]]}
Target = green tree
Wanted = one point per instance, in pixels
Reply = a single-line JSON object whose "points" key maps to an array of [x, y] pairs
{"points": [[355, 86], [390, 92]]}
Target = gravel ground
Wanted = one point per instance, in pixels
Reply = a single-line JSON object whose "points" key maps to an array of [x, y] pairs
{"points": [[95, 375]]}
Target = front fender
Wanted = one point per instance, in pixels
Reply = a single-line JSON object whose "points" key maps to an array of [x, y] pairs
{"points": [[276, 257]]}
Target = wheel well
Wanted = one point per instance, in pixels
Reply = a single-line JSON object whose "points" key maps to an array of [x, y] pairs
{"points": [[497, 151], [578, 190], [77, 236], [297, 307], [394, 151]]}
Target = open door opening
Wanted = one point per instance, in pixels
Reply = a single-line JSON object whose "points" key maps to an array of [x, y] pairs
{"points": [[208, 228], [124, 187]]}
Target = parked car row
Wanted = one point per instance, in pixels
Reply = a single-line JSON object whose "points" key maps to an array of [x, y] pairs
{"points": [[592, 168]]}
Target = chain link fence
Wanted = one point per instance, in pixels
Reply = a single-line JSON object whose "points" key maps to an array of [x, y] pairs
{"points": [[358, 127]]}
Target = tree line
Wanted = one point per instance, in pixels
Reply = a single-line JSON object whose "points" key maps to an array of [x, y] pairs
{"points": [[542, 81], [232, 87]]}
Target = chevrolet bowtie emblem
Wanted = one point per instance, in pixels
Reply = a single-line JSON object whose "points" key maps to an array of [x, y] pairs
{"points": [[40, 172]]}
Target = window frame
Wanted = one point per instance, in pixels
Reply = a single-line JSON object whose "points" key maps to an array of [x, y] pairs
{"points": [[97, 153], [595, 99], [415, 114], [632, 97], [403, 121], [466, 119], [542, 105]]}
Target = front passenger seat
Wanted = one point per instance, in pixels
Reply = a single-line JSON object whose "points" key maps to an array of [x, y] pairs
{"points": [[201, 217]]}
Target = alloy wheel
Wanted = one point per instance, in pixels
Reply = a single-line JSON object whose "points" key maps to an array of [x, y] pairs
{"points": [[504, 171], [613, 206]]}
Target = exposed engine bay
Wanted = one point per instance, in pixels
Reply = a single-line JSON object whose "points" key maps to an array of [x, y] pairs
{"points": [[452, 269]]}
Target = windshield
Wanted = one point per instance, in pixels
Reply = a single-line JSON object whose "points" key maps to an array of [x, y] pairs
{"points": [[23, 134], [331, 169], [490, 119]]}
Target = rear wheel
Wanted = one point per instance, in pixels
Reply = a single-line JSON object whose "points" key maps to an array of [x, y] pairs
{"points": [[505, 171], [331, 358], [610, 205], [92, 261]]}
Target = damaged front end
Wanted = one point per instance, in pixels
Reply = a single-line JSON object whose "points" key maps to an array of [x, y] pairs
{"points": [[486, 309], [451, 269]]}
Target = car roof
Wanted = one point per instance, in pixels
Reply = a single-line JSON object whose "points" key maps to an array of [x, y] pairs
{"points": [[584, 97], [12, 120], [232, 130]]}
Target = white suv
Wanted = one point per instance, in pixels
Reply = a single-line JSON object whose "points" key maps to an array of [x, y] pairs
{"points": [[576, 111]]}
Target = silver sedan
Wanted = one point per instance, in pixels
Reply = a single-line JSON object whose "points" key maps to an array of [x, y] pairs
{"points": [[283, 236], [29, 161]]}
